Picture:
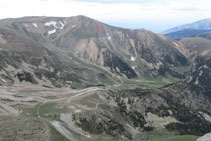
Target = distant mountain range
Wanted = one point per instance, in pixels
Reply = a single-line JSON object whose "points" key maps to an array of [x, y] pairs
{"points": [[196, 29], [198, 25], [187, 33]]}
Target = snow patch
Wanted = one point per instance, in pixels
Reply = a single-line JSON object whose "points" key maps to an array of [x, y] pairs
{"points": [[201, 72], [132, 58], [176, 44], [51, 23], [109, 37], [197, 81], [204, 66], [73, 26], [35, 25], [54, 23], [51, 32], [133, 67], [62, 25]]}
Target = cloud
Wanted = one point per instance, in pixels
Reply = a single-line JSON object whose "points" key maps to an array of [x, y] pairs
{"points": [[150, 14]]}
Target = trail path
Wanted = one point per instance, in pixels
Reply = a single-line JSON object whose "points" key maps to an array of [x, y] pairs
{"points": [[58, 125]]}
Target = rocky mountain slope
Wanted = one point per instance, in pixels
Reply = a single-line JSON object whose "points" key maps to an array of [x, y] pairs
{"points": [[200, 54], [178, 107], [25, 60], [182, 107], [56, 50]]}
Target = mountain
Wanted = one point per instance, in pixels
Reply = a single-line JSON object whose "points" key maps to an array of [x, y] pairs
{"points": [[187, 33], [132, 84], [198, 25], [67, 52]]}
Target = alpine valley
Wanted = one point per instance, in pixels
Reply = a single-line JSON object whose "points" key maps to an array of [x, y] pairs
{"points": [[77, 79]]}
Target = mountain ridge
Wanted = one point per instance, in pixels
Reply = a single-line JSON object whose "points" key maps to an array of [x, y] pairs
{"points": [[187, 33], [121, 52], [204, 24]]}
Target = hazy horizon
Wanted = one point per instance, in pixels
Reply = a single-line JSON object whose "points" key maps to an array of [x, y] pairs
{"points": [[154, 15]]}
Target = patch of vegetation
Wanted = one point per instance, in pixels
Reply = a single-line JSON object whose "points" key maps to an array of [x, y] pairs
{"points": [[144, 84], [30, 111], [51, 111], [182, 69], [47, 110]]}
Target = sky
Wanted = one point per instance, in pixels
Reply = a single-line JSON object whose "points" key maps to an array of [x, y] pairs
{"points": [[154, 15]]}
